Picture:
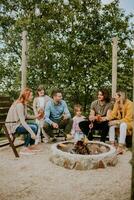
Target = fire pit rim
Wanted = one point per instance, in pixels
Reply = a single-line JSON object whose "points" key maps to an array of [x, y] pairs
{"points": [[55, 150]]}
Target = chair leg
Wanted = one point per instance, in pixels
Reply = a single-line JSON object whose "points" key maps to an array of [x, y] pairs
{"points": [[11, 142], [62, 132]]}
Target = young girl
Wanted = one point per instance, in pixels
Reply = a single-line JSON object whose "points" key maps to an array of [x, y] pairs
{"points": [[39, 104], [76, 131]]}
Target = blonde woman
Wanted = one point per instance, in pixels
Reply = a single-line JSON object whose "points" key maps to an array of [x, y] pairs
{"points": [[121, 117]]}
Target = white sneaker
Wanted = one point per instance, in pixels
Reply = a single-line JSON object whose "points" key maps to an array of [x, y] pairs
{"points": [[47, 139]]}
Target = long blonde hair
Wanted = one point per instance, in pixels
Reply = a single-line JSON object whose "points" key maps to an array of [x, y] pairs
{"points": [[123, 97]]}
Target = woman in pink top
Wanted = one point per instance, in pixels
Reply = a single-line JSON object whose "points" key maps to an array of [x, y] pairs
{"points": [[76, 131]]}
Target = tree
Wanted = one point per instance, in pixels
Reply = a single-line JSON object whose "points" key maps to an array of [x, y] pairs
{"points": [[69, 45]]}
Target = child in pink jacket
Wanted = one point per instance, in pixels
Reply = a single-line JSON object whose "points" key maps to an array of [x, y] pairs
{"points": [[76, 131]]}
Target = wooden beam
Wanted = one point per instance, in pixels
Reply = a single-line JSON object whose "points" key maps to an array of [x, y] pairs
{"points": [[24, 60], [114, 65], [132, 178]]}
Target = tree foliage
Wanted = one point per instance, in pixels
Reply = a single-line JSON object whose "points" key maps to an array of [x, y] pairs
{"points": [[69, 46]]}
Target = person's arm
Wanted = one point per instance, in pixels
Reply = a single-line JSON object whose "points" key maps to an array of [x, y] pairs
{"points": [[129, 113], [47, 113], [92, 113], [30, 117], [113, 114], [73, 127], [47, 98], [66, 111], [37, 115], [106, 118], [35, 106], [47, 116], [20, 112]]}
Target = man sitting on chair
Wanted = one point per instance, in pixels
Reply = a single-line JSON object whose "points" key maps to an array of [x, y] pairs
{"points": [[100, 109], [57, 115]]}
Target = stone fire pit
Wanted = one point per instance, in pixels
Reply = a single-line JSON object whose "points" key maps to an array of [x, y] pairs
{"points": [[94, 155]]}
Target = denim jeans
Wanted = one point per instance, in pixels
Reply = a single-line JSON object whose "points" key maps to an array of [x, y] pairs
{"points": [[27, 136]]}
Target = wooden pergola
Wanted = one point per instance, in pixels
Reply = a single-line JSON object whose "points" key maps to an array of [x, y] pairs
{"points": [[114, 83]]}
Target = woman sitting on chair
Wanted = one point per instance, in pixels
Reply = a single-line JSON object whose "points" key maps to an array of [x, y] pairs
{"points": [[17, 114], [121, 117]]}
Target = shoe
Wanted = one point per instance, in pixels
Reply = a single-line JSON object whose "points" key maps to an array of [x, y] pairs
{"points": [[85, 140], [113, 144], [120, 150], [47, 141], [26, 152], [54, 139], [34, 148], [62, 145], [69, 137]]}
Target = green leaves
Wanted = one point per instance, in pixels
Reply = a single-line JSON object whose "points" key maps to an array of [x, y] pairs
{"points": [[69, 46]]}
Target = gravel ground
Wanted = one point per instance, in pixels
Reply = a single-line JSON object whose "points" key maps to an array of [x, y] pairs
{"points": [[35, 177]]}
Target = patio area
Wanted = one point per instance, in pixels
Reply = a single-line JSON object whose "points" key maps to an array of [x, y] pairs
{"points": [[36, 177]]}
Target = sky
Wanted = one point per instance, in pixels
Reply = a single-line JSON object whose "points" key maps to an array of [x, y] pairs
{"points": [[127, 5]]}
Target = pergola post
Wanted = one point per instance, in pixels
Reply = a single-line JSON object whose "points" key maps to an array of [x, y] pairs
{"points": [[132, 178], [114, 65], [24, 61]]}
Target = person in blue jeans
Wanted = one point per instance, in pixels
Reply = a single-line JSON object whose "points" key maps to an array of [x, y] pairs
{"points": [[27, 137], [17, 115]]}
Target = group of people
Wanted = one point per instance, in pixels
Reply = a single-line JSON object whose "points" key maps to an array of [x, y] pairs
{"points": [[52, 113]]}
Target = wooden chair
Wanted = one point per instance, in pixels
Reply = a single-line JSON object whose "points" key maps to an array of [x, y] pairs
{"points": [[5, 103]]}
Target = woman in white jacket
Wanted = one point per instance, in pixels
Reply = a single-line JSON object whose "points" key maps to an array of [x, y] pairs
{"points": [[39, 105]]}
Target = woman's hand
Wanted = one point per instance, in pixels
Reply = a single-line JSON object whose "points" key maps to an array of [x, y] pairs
{"points": [[114, 122], [33, 136], [103, 119]]}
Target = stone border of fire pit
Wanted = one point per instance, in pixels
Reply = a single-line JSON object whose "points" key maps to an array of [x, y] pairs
{"points": [[83, 162]]}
